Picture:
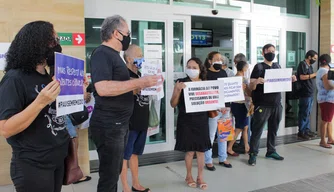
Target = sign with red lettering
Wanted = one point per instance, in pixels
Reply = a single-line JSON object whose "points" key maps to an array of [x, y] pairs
{"points": [[204, 96]]}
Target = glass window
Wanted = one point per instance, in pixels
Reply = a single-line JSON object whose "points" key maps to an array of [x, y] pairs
{"points": [[151, 1], [293, 7], [137, 30], [295, 52], [265, 36], [195, 3]]}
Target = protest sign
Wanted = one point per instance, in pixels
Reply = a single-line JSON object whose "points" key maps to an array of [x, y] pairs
{"points": [[277, 80], [153, 67], [203, 96], [69, 71], [90, 108], [233, 89]]}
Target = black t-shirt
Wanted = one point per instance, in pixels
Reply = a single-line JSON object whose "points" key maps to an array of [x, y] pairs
{"points": [[215, 75], [141, 110], [211, 76], [46, 139], [107, 65], [259, 98], [307, 86]]}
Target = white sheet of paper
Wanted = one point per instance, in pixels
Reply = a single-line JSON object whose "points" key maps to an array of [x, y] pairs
{"points": [[277, 80], [3, 50], [153, 51], [152, 36], [204, 96], [233, 89], [153, 67]]}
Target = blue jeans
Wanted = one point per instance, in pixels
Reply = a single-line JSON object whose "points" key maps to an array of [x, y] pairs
{"points": [[72, 130], [305, 107], [222, 146]]}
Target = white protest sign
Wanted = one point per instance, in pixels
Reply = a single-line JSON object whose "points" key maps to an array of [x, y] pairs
{"points": [[203, 96], [153, 51], [153, 67], [3, 50], [277, 80], [233, 89], [152, 36]]}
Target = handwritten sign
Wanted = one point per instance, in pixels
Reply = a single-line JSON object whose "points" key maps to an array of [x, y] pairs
{"points": [[277, 80], [233, 89], [153, 67], [203, 96], [69, 71]]}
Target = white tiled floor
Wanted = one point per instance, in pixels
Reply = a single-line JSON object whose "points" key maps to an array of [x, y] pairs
{"points": [[302, 160]]}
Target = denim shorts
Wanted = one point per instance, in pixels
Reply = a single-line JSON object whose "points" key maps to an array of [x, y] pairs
{"points": [[136, 143], [72, 130]]}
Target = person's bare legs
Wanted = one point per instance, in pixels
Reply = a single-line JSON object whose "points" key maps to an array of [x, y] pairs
{"points": [[124, 177], [323, 129], [245, 138], [134, 173], [330, 132], [231, 143], [200, 167], [189, 162]]}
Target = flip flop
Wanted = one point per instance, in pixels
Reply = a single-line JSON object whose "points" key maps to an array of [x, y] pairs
{"points": [[328, 146], [136, 190], [191, 184], [88, 178], [203, 186], [233, 154], [330, 143]]}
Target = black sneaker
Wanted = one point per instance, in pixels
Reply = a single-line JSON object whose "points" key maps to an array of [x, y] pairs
{"points": [[274, 155], [310, 134], [252, 159], [303, 136]]}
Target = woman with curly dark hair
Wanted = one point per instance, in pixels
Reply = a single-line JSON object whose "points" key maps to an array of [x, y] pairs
{"points": [[192, 133], [28, 120]]}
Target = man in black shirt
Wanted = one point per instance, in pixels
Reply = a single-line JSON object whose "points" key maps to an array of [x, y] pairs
{"points": [[138, 122], [306, 75], [113, 94], [267, 107]]}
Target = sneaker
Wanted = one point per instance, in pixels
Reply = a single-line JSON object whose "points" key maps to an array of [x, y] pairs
{"points": [[303, 136], [252, 159], [310, 133], [274, 155]]}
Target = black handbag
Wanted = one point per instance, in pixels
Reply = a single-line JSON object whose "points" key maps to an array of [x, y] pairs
{"points": [[79, 117]]}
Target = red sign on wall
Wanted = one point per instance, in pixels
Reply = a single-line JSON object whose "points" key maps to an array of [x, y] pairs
{"points": [[78, 39]]}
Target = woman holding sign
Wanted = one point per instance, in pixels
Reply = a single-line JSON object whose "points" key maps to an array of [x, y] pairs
{"points": [[192, 133], [28, 120], [240, 110], [214, 65]]}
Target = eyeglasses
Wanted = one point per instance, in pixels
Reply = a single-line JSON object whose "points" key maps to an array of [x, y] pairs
{"points": [[122, 33]]}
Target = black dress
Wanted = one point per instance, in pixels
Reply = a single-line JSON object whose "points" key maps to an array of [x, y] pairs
{"points": [[192, 132]]}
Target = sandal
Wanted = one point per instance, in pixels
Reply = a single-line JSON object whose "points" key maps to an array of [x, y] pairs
{"points": [[87, 178], [327, 146], [136, 190], [330, 143], [202, 186], [191, 184]]}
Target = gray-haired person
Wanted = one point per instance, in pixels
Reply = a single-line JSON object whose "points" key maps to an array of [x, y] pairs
{"points": [[109, 123], [229, 71]]}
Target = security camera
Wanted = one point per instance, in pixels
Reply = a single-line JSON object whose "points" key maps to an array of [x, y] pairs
{"points": [[214, 12]]}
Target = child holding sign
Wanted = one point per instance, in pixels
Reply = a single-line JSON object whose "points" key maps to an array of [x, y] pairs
{"points": [[192, 133]]}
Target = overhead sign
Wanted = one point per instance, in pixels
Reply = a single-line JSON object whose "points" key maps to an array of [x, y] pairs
{"points": [[3, 50], [77, 39]]}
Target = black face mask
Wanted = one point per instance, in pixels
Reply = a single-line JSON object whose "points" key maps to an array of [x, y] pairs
{"points": [[217, 66], [50, 60], [125, 42], [312, 61], [269, 56]]}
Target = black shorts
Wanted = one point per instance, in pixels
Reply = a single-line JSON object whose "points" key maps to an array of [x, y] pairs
{"points": [[239, 112]]}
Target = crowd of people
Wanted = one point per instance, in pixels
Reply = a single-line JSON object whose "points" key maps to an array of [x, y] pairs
{"points": [[118, 125]]}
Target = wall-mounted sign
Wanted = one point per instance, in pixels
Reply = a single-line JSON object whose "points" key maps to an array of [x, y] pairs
{"points": [[3, 50], [77, 39]]}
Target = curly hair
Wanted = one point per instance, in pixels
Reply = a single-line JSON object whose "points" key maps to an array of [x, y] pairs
{"points": [[30, 47], [202, 74]]}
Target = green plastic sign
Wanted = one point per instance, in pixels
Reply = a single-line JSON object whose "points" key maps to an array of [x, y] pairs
{"points": [[76, 39]]}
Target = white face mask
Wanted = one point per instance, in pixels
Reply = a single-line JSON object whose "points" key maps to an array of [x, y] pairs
{"points": [[192, 73]]}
